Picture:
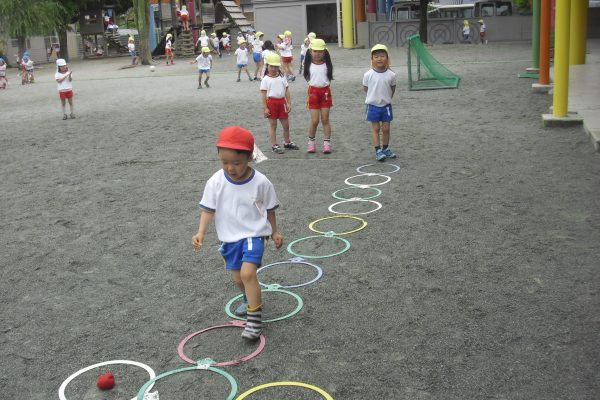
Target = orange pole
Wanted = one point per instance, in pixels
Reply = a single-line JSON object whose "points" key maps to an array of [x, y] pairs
{"points": [[359, 9], [545, 42]]}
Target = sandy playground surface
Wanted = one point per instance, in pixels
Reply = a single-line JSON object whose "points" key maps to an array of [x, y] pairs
{"points": [[478, 278]]}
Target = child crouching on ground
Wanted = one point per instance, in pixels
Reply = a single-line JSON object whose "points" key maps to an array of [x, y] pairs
{"points": [[277, 102], [64, 79], [380, 84], [242, 202]]}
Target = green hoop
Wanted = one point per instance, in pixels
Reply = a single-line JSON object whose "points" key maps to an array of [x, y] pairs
{"points": [[202, 365], [377, 194], [326, 235], [269, 288]]}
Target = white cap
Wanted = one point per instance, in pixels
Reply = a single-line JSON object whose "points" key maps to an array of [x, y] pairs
{"points": [[61, 62]]}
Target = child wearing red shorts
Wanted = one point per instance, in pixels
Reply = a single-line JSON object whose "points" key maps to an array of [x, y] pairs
{"points": [[277, 102], [64, 79], [318, 71]]}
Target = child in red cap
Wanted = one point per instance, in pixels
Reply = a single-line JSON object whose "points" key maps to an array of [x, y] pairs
{"points": [[242, 201]]}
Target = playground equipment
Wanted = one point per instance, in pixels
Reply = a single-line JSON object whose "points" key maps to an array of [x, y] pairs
{"points": [[424, 71]]}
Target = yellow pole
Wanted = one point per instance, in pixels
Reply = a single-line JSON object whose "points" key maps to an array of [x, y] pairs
{"points": [[562, 18], [347, 22], [579, 17]]}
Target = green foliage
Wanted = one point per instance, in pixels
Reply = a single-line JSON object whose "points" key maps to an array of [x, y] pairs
{"points": [[523, 5], [31, 17]]}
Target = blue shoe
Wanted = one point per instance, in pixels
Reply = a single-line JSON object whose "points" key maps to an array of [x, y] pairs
{"points": [[241, 310], [379, 155], [389, 153]]}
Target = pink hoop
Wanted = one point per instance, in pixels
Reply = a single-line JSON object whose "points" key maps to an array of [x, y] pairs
{"points": [[231, 324]]}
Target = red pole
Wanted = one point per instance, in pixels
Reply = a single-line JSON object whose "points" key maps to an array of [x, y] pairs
{"points": [[372, 6], [545, 43]]}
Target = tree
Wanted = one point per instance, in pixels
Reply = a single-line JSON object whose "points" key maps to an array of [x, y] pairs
{"points": [[142, 18], [24, 18], [423, 20]]}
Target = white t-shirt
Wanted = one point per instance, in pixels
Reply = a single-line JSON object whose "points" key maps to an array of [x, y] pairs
{"points": [[3, 70], [242, 56], [66, 84], [318, 75], [303, 49], [225, 41], [184, 12], [203, 40], [257, 45], [168, 45], [215, 42], [250, 37], [203, 62], [131, 46], [28, 65], [275, 87], [466, 30], [240, 207], [379, 87], [285, 49]]}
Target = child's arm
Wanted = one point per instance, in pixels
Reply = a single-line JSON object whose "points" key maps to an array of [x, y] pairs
{"points": [[62, 78], [206, 218], [288, 100], [366, 88], [263, 96], [393, 90], [276, 236]]}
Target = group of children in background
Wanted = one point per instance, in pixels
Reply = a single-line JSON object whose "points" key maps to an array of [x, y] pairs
{"points": [[238, 188]]}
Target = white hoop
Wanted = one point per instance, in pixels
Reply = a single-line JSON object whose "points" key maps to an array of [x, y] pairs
{"points": [[61, 390], [349, 201], [396, 168], [347, 181]]}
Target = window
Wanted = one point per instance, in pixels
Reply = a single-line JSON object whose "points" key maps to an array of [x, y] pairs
{"points": [[487, 9], [503, 8]]}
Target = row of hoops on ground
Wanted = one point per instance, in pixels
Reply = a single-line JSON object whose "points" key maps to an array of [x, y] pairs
{"points": [[237, 322]]}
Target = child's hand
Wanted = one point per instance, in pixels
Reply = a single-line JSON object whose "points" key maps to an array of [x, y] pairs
{"points": [[267, 112], [289, 107], [197, 241], [277, 239]]}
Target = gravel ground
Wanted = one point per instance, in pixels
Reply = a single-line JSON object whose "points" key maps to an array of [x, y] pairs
{"points": [[478, 278]]}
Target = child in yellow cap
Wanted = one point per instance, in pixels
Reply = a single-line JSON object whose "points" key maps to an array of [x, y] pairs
{"points": [[204, 61]]}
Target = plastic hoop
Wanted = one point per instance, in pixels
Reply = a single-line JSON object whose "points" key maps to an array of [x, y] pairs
{"points": [[377, 194], [294, 260], [397, 168], [63, 386], [327, 235], [270, 288], [202, 365], [360, 228], [347, 181], [349, 201], [231, 324], [248, 392]]}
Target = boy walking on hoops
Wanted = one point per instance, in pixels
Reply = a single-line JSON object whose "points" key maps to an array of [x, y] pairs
{"points": [[242, 201], [380, 84]]}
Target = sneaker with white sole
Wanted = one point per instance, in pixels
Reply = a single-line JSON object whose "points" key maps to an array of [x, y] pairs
{"points": [[389, 153], [240, 311], [379, 155], [277, 149], [290, 146], [326, 147], [312, 147]]}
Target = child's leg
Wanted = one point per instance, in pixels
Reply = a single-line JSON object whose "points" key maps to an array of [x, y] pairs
{"points": [[315, 115], [207, 78], [325, 123], [247, 73], [285, 124], [385, 137], [71, 107], [239, 73], [63, 103], [252, 289], [273, 131], [199, 79], [375, 127]]}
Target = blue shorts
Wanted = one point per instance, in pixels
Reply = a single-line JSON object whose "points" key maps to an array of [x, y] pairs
{"points": [[204, 70], [242, 65], [379, 114], [246, 250], [257, 57]]}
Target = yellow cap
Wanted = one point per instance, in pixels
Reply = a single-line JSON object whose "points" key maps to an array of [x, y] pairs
{"points": [[259, 34], [280, 36], [205, 49], [203, 33], [213, 34], [312, 35], [481, 21], [465, 22], [242, 41], [169, 36], [318, 45], [379, 47], [273, 59], [131, 39], [287, 33], [224, 34]]}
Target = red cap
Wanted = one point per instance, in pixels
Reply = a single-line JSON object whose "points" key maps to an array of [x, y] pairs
{"points": [[236, 138]]}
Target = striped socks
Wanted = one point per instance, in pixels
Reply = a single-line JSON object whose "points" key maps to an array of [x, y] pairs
{"points": [[253, 323]]}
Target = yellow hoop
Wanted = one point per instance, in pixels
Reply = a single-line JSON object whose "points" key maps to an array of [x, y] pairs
{"points": [[363, 226], [323, 393]]}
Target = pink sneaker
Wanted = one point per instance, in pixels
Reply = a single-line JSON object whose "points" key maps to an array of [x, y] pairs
{"points": [[311, 146], [326, 147]]}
